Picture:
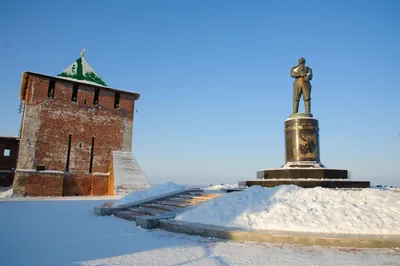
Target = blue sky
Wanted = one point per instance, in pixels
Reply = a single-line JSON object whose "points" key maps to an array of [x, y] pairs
{"points": [[214, 78]]}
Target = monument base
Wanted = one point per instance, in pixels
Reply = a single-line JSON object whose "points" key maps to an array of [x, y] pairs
{"points": [[303, 165], [309, 183], [302, 173], [305, 177]]}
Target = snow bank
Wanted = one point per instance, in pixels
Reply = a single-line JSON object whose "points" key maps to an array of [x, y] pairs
{"points": [[153, 191], [292, 208], [219, 187]]}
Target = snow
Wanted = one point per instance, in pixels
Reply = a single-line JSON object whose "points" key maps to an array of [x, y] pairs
{"points": [[5, 192], [87, 82], [8, 137], [83, 81], [153, 191], [65, 232], [313, 165], [101, 174], [86, 68], [128, 176], [35, 171], [292, 208], [308, 117], [302, 179], [71, 70], [220, 187], [5, 171]]}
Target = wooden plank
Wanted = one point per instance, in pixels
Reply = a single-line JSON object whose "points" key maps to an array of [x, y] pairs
{"points": [[126, 216], [153, 212], [140, 212], [170, 204], [156, 207], [188, 202]]}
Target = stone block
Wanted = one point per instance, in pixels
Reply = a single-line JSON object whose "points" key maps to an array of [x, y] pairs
{"points": [[148, 222]]}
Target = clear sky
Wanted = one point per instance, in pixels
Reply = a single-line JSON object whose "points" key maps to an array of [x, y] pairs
{"points": [[214, 78]]}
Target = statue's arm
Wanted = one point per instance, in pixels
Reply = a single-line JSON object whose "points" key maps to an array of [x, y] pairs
{"points": [[296, 74], [309, 74]]}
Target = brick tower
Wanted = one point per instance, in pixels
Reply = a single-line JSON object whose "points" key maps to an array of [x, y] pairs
{"points": [[71, 126]]}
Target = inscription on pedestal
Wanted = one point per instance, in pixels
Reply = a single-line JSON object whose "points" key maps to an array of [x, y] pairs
{"points": [[302, 140]]}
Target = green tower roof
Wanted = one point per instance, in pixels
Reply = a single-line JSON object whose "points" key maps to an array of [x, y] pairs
{"points": [[82, 71]]}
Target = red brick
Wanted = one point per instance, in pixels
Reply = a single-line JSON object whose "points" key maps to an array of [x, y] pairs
{"points": [[100, 185], [43, 184]]}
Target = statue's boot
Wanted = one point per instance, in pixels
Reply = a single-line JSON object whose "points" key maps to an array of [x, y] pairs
{"points": [[295, 106], [307, 106]]}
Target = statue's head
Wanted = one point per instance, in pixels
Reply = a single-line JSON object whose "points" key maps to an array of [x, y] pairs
{"points": [[302, 61]]}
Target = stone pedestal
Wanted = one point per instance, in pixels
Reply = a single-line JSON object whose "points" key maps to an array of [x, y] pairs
{"points": [[302, 173], [302, 142], [303, 165]]}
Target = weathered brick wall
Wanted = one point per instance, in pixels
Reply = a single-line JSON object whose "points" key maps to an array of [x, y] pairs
{"points": [[34, 183], [29, 129], [48, 123], [101, 184], [78, 185], [95, 184]]}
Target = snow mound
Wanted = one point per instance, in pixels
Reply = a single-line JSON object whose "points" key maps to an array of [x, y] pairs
{"points": [[292, 208], [153, 191], [219, 187]]}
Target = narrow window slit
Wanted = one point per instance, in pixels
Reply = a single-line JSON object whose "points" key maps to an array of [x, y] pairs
{"points": [[50, 92], [75, 89], [91, 156], [116, 100], [68, 153], [96, 96]]}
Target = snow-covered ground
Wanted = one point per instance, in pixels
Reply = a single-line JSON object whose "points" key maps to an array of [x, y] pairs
{"points": [[292, 208], [65, 232]]}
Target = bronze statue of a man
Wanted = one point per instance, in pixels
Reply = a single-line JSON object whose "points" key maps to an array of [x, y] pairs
{"points": [[301, 85]]}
